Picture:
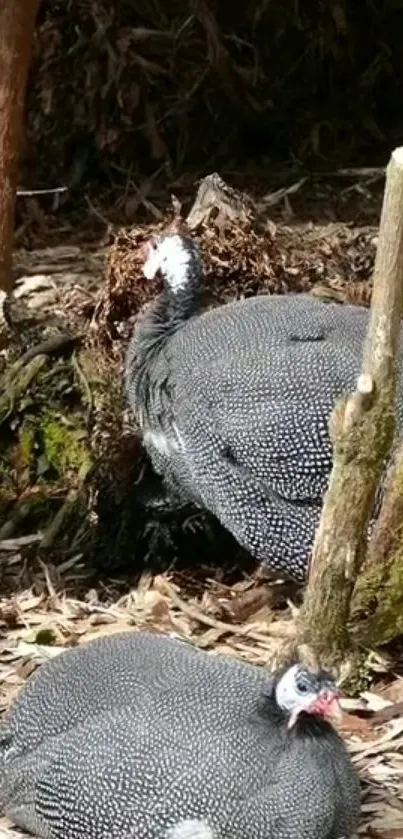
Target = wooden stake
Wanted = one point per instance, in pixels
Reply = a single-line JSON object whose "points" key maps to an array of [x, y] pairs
{"points": [[362, 426], [17, 21]]}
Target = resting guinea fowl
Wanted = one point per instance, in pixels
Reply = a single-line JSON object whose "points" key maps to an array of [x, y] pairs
{"points": [[144, 736], [234, 403]]}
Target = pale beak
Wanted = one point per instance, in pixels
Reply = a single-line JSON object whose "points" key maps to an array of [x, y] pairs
{"points": [[151, 264], [293, 717]]}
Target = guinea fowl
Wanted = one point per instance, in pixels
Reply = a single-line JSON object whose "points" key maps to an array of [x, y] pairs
{"points": [[234, 403], [144, 736]]}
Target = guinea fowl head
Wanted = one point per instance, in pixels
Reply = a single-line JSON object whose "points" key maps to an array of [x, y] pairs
{"points": [[177, 259], [301, 690]]}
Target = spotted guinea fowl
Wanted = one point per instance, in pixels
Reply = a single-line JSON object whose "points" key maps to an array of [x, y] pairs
{"points": [[144, 736], [234, 402]]}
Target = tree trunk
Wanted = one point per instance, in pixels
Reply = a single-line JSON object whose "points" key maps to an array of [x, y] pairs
{"points": [[362, 426], [17, 21]]}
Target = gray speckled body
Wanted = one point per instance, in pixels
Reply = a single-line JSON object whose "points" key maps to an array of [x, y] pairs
{"points": [[129, 736], [241, 397]]}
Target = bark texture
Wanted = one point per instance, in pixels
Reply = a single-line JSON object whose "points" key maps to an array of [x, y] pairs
{"points": [[17, 21], [363, 426], [377, 609]]}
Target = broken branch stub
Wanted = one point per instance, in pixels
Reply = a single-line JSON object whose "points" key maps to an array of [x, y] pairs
{"points": [[217, 201], [362, 429]]}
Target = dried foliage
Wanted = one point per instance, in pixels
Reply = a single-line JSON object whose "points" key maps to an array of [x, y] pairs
{"points": [[133, 85], [333, 261]]}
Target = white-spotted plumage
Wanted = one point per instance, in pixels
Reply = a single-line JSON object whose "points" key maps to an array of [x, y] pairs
{"points": [[143, 736], [250, 386]]}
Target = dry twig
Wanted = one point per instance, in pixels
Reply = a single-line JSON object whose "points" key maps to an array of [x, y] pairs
{"points": [[192, 611]]}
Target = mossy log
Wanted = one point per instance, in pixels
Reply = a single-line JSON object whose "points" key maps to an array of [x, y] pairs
{"points": [[16, 383], [363, 426]]}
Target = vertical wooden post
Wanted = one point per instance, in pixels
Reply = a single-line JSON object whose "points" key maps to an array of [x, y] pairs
{"points": [[17, 22], [363, 426]]}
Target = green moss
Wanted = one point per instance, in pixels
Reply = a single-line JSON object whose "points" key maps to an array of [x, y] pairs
{"points": [[65, 443], [388, 620], [376, 426], [377, 608], [27, 435], [360, 676], [45, 637], [377, 612]]}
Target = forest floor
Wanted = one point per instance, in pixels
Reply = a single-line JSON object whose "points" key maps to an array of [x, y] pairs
{"points": [[65, 435]]}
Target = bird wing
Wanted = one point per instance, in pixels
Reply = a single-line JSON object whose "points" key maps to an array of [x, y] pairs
{"points": [[109, 673], [268, 410], [131, 773], [266, 524], [256, 444]]}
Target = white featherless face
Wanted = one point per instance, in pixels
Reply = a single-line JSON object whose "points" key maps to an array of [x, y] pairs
{"points": [[302, 690], [173, 257]]}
